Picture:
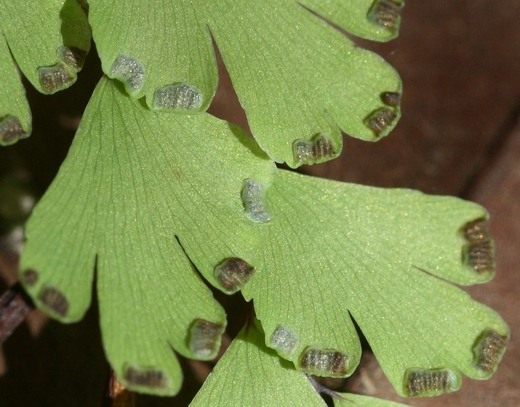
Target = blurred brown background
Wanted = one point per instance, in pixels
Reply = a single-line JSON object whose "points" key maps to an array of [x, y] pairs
{"points": [[459, 135]]}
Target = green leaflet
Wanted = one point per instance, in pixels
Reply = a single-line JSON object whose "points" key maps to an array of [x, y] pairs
{"points": [[155, 44], [250, 374], [15, 115], [52, 51], [134, 182], [300, 81], [49, 40], [335, 249]]}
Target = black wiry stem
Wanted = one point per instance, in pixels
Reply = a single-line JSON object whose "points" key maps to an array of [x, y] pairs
{"points": [[14, 307]]}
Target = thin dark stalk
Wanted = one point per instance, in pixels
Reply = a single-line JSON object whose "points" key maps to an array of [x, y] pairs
{"points": [[119, 396], [14, 308]]}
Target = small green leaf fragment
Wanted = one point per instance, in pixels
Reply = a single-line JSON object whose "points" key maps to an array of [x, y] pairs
{"points": [[430, 382], [15, 115], [53, 50], [250, 374]]}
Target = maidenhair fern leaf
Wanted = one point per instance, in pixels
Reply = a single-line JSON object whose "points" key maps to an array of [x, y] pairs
{"points": [[143, 192], [250, 374], [15, 115], [300, 81], [135, 185], [335, 249]]}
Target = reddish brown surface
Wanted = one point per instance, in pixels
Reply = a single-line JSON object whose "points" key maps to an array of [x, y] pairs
{"points": [[460, 62], [499, 190], [13, 311]]}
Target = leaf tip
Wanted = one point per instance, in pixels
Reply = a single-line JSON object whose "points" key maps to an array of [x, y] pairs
{"points": [[129, 71], [386, 14], [233, 273], [284, 341], [488, 350], [147, 378], [54, 300], [178, 96], [319, 149], [430, 382], [324, 362], [204, 339], [11, 130], [29, 277], [55, 77], [380, 121], [73, 57], [479, 251]]}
